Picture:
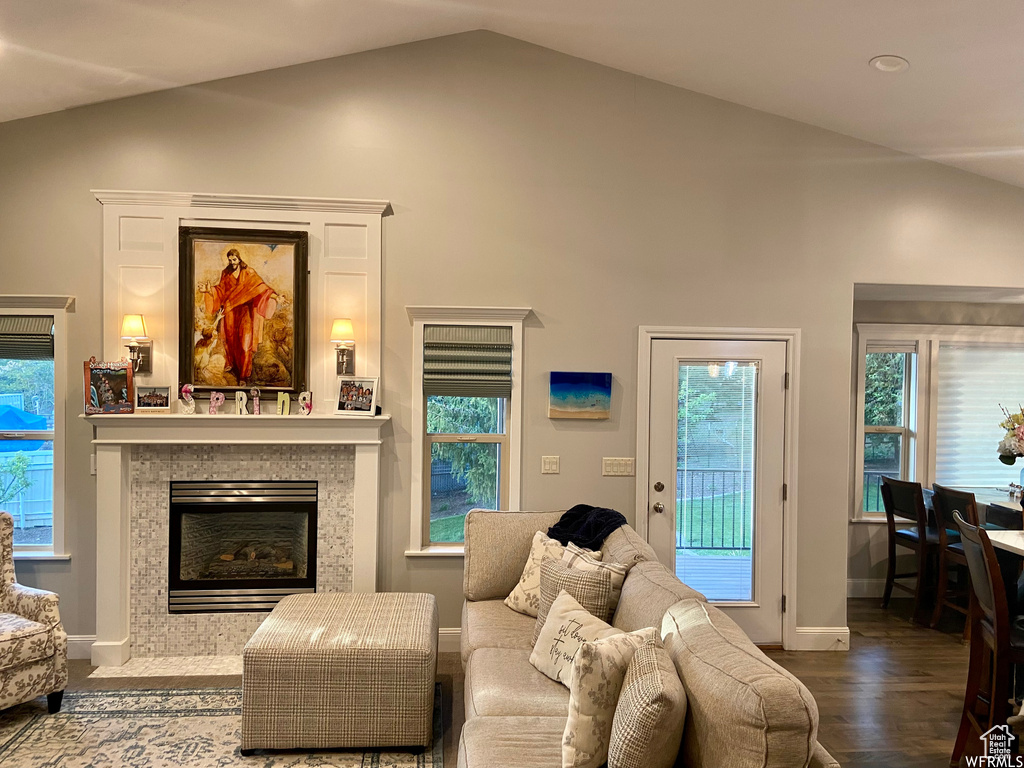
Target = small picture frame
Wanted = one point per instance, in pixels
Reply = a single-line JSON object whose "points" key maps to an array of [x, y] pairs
{"points": [[109, 387], [153, 399], [357, 396]]}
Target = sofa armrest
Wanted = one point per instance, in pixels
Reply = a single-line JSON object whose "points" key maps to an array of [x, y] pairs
{"points": [[497, 546], [820, 758], [34, 604]]}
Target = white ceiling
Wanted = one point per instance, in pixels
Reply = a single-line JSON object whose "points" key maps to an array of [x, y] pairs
{"points": [[959, 103]]}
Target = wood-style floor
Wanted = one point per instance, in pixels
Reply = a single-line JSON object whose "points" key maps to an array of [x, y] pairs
{"points": [[892, 701]]}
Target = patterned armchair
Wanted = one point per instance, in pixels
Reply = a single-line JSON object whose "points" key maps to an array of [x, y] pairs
{"points": [[33, 643]]}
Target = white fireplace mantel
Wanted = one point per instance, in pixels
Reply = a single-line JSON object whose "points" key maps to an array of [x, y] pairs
{"points": [[114, 436]]}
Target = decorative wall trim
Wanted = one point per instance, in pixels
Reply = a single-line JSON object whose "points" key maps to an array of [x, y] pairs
{"points": [[449, 640], [27, 301], [202, 429], [479, 314], [263, 202], [820, 639], [80, 646]]}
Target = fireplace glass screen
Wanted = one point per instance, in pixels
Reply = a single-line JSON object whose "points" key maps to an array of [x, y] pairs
{"points": [[240, 546], [243, 545]]}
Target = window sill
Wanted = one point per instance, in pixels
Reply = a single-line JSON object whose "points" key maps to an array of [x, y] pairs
{"points": [[438, 550], [872, 520], [40, 555]]}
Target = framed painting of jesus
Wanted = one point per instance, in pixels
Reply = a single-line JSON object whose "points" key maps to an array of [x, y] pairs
{"points": [[243, 309]]}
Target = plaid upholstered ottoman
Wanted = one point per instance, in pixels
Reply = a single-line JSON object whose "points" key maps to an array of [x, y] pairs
{"points": [[341, 670]]}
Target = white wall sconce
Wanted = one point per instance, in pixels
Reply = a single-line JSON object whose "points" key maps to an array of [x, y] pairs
{"points": [[343, 337], [140, 348]]}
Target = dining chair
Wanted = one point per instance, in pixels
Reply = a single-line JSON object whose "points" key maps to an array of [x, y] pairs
{"points": [[905, 500], [947, 502], [1003, 517], [996, 643]]}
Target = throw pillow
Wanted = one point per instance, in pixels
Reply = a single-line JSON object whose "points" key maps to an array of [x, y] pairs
{"points": [[581, 560], [525, 598], [594, 684], [568, 626], [591, 589], [648, 725]]}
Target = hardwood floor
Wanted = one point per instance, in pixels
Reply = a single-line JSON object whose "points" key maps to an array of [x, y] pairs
{"points": [[892, 701]]}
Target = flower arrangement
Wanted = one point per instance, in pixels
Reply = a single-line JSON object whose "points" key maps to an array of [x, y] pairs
{"points": [[1012, 444]]}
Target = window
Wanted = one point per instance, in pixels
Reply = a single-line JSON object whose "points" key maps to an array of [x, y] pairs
{"points": [[928, 407], [886, 445], [32, 375], [467, 414], [974, 381]]}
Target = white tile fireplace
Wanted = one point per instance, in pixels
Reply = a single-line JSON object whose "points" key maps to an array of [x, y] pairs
{"points": [[137, 456]]}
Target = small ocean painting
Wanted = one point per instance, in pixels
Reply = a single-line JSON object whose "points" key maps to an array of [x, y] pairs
{"points": [[580, 395]]}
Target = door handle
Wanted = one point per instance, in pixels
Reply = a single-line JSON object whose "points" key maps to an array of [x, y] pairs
{"points": [[658, 507]]}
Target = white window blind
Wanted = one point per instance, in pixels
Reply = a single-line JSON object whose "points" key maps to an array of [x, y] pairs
{"points": [[974, 379]]}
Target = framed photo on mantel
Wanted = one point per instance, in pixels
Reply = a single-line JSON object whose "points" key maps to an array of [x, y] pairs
{"points": [[243, 309], [109, 387]]}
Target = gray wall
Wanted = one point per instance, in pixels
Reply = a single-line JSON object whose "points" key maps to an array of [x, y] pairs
{"points": [[524, 177]]}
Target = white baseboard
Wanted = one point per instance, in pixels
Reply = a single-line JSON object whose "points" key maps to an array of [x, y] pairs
{"points": [[80, 646], [822, 639], [872, 588], [449, 640]]}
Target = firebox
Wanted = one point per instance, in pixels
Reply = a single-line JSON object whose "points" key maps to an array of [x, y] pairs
{"points": [[240, 546]]}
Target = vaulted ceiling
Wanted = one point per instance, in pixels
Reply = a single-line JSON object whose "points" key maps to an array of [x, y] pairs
{"points": [[961, 102]]}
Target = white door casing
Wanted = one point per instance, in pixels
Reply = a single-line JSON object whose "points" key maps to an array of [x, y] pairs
{"points": [[774, 535]]}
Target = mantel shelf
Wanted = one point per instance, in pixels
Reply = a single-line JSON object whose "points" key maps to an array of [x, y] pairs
{"points": [[234, 429]]}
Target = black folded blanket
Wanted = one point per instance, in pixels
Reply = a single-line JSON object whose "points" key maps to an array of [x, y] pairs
{"points": [[586, 526]]}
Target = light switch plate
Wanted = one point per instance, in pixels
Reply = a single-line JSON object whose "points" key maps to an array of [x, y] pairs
{"points": [[549, 465], [617, 467]]}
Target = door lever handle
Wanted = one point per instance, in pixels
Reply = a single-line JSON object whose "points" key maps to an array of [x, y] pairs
{"points": [[658, 507]]}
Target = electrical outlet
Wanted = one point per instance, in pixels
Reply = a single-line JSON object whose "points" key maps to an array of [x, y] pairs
{"points": [[549, 465], [617, 467], [92, 463]]}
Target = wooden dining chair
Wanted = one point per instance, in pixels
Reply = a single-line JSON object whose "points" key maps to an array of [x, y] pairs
{"points": [[996, 643], [904, 501], [946, 503]]}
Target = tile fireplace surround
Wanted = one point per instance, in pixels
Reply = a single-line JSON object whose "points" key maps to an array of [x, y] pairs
{"points": [[136, 457]]}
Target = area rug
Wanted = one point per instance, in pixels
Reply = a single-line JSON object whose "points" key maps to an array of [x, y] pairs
{"points": [[161, 729]]}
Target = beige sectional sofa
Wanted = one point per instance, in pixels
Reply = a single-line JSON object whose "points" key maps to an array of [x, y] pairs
{"points": [[743, 709]]}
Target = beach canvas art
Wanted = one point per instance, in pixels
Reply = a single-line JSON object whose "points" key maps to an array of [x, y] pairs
{"points": [[580, 395]]}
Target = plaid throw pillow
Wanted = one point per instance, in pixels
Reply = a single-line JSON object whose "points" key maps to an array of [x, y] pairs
{"points": [[583, 560], [525, 597], [648, 725], [595, 680], [591, 589]]}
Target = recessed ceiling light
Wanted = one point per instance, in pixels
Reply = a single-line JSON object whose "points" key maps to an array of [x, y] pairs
{"points": [[889, 63]]}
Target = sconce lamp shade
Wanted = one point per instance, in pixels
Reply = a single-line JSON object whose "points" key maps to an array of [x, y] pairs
{"points": [[341, 331], [133, 327]]}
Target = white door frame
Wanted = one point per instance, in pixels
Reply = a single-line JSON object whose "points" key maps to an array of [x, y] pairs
{"points": [[648, 333]]}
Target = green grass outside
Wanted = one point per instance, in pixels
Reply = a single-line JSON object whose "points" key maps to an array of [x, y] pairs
{"points": [[726, 511], [448, 529], [873, 498]]}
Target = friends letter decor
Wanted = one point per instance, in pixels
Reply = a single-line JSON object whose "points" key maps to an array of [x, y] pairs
{"points": [[243, 309], [188, 403]]}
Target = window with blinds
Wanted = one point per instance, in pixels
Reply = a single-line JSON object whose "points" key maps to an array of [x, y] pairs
{"points": [[27, 415], [973, 381], [467, 383]]}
